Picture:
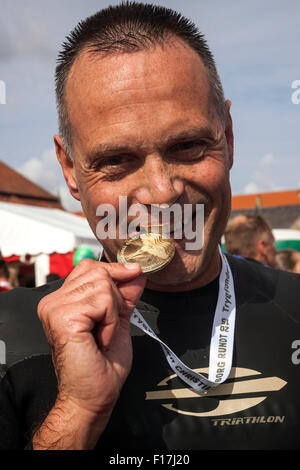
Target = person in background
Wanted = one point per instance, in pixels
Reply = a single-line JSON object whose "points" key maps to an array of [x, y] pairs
{"points": [[251, 237], [52, 277], [4, 277], [288, 260]]}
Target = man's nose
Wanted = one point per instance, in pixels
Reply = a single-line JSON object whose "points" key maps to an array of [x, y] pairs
{"points": [[159, 184]]}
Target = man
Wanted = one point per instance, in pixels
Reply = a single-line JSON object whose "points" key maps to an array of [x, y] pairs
{"points": [[142, 115], [288, 260], [251, 236]]}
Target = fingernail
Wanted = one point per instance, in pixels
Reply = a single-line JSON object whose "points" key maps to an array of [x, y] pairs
{"points": [[133, 266]]}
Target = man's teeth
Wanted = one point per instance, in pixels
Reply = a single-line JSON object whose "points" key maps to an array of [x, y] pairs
{"points": [[173, 228]]}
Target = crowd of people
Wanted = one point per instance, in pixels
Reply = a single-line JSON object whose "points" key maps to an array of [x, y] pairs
{"points": [[9, 277]]}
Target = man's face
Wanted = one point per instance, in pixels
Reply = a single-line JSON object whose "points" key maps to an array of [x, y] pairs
{"points": [[144, 126], [269, 253], [297, 263]]}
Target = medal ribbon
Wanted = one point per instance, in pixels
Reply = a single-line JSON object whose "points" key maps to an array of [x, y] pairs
{"points": [[221, 345]]}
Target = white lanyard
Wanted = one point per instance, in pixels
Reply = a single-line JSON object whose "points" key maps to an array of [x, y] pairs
{"points": [[221, 345]]}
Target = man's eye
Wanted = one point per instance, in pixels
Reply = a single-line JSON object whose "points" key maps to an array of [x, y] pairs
{"points": [[112, 162], [117, 160], [116, 166], [188, 150]]}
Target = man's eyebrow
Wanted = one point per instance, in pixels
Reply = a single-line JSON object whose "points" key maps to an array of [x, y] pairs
{"points": [[194, 133], [101, 150], [106, 149]]}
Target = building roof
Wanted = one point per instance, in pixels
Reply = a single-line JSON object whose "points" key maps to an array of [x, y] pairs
{"points": [[279, 217], [280, 208], [15, 187], [262, 200]]}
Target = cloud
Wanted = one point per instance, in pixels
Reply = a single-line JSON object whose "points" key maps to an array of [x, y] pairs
{"points": [[46, 172], [43, 171], [23, 41], [6, 43], [268, 161], [265, 178], [67, 200]]}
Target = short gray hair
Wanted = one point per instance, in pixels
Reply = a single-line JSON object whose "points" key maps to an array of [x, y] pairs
{"points": [[129, 27]]}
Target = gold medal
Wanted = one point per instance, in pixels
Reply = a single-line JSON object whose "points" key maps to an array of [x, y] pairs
{"points": [[150, 250]]}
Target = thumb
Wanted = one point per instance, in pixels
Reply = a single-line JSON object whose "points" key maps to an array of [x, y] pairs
{"points": [[131, 291]]}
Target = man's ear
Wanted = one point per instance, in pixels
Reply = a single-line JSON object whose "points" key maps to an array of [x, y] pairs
{"points": [[67, 166], [229, 132], [261, 250]]}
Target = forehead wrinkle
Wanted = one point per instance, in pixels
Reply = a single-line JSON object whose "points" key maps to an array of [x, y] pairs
{"points": [[142, 110], [162, 88], [130, 105], [142, 73], [145, 94], [129, 90]]}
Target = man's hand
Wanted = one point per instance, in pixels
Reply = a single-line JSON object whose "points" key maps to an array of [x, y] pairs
{"points": [[87, 324]]}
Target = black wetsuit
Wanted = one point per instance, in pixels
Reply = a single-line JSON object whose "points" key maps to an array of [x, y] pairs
{"points": [[257, 408]]}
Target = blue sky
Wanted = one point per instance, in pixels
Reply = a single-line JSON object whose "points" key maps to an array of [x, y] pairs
{"points": [[256, 47]]}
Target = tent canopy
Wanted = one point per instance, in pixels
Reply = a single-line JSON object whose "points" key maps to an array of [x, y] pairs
{"points": [[286, 234], [34, 230], [287, 238]]}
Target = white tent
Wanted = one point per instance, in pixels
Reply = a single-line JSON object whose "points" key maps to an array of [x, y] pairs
{"points": [[286, 234], [287, 238], [34, 230], [39, 231]]}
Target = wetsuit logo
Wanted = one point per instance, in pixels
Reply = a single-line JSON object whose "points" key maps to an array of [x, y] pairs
{"points": [[216, 401]]}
